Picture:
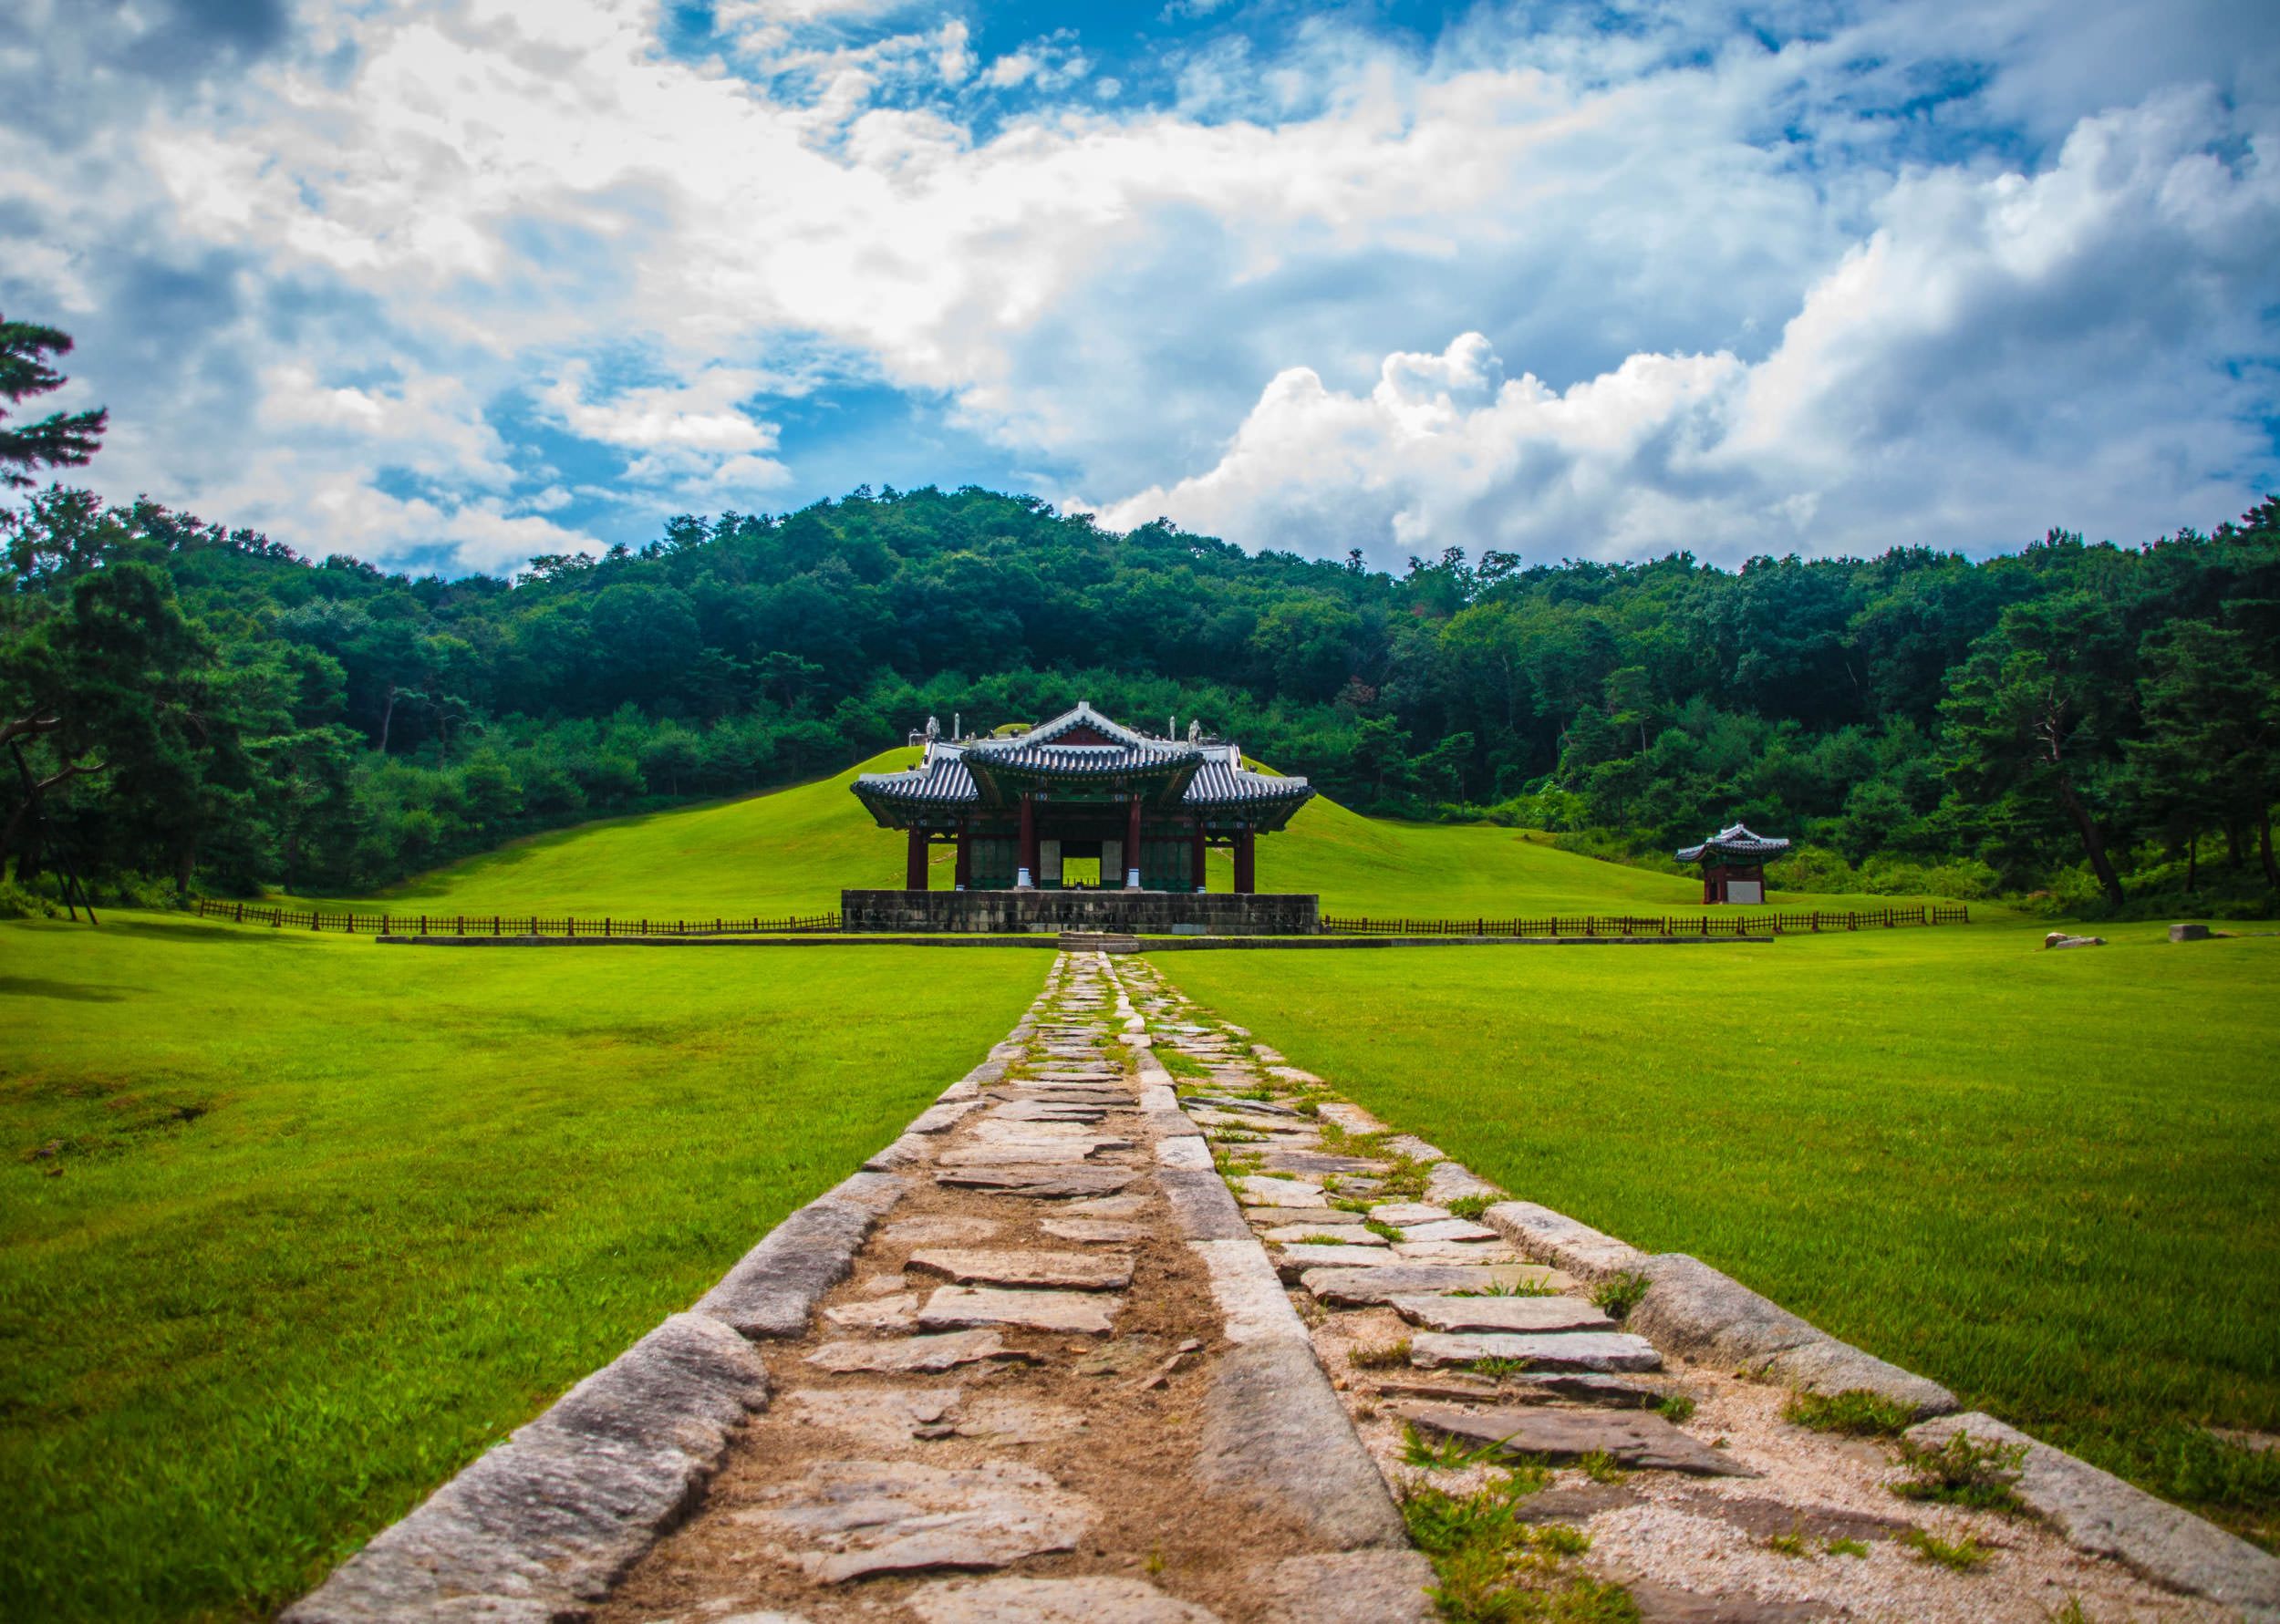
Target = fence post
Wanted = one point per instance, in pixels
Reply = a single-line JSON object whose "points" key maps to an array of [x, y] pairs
{"points": [[495, 925]]}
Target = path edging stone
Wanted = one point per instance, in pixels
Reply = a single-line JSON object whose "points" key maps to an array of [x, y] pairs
{"points": [[2097, 1512], [542, 1524], [772, 1288]]}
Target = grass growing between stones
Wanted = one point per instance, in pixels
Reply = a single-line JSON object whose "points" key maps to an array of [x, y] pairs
{"points": [[1494, 1568], [2042, 1178], [291, 1227]]}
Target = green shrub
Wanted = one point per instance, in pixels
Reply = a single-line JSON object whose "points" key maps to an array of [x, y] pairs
{"points": [[1617, 1295], [1961, 1470], [1855, 1412]]}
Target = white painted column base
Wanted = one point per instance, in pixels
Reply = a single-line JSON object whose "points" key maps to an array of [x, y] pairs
{"points": [[1021, 880], [1132, 879]]}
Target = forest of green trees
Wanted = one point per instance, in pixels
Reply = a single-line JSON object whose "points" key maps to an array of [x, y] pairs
{"points": [[189, 707]]}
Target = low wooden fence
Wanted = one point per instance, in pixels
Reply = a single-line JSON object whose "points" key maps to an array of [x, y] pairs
{"points": [[1653, 925], [501, 925]]}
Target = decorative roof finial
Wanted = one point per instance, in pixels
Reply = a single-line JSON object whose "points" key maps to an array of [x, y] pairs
{"points": [[933, 730], [1194, 730]]}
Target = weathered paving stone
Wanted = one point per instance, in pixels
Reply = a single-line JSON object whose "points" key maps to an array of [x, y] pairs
{"points": [[1074, 1271], [1565, 1350], [1529, 1387], [1055, 1601], [1098, 1231], [1044, 1111], [1509, 1314], [1082, 1313], [1250, 1107], [1450, 1229], [1108, 1207], [845, 1519], [899, 1313], [1255, 1191], [1292, 1262], [879, 1417], [1634, 1439], [1400, 1215], [1663, 1604], [1017, 1153], [1351, 1288], [913, 1354], [1045, 1183], [1314, 1161], [1303, 1233], [1349, 1587], [935, 1230], [1321, 1218], [1454, 1251], [1005, 1420]]}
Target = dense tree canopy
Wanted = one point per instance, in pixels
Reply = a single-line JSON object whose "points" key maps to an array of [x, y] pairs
{"points": [[2077, 715]]}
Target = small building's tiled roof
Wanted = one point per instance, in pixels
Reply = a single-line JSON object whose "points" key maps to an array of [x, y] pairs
{"points": [[1025, 754], [1735, 842], [1227, 780], [939, 779]]}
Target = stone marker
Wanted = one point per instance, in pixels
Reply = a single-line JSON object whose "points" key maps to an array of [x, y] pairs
{"points": [[1566, 1350], [1506, 1314], [1077, 1311], [2189, 932], [844, 1519], [1078, 1271], [913, 1354], [1634, 1440]]}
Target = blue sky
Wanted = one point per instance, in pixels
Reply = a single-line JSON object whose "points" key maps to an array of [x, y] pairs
{"points": [[457, 282]]}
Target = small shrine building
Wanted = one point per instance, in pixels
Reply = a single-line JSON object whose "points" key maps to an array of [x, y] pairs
{"points": [[1734, 865], [1019, 807]]}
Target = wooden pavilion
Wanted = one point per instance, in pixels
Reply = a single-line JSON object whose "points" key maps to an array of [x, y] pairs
{"points": [[1734, 865], [1018, 808]]}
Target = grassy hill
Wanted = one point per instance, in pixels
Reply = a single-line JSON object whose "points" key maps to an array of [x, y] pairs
{"points": [[791, 851]]}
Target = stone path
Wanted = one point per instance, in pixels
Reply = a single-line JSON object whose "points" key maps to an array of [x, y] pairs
{"points": [[1161, 1328]]}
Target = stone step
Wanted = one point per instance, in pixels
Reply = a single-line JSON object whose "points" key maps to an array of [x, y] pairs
{"points": [[1517, 1315], [1047, 1183], [1082, 1313], [1362, 1287]]}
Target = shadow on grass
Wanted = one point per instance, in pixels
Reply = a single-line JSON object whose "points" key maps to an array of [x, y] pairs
{"points": [[81, 992]]}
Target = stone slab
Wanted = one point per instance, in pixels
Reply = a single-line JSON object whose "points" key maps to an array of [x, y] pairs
{"points": [[1088, 1600], [1515, 1314], [1321, 1217], [1454, 1251], [1316, 1163], [1453, 1181], [846, 1519], [1078, 1312], [1560, 1350], [1634, 1438], [1277, 1436], [1348, 1587], [1303, 1233], [1044, 1183], [1292, 1262], [1072, 1271], [1278, 1191], [1046, 1110], [1367, 1288], [1190, 1154], [1019, 1153], [937, 1229], [1108, 1207], [1095, 1231], [1202, 1210], [898, 1312], [1400, 1215], [911, 1355], [1530, 1386], [1450, 1229], [2096, 1512]]}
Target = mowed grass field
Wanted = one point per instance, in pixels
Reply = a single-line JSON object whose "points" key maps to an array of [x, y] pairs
{"points": [[2050, 1180], [791, 851], [323, 1219]]}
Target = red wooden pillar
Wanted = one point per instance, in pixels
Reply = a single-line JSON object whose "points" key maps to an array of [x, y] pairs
{"points": [[1026, 878], [1132, 844], [964, 873], [1197, 872], [915, 864], [1246, 863]]}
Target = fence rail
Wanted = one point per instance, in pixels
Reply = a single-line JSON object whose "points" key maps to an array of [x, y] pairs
{"points": [[1653, 925], [509, 925]]}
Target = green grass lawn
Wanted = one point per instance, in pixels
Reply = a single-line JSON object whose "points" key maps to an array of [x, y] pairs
{"points": [[2050, 1180], [329, 1218], [791, 851]]}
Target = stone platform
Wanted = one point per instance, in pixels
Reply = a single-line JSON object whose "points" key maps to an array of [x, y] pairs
{"points": [[1135, 913]]}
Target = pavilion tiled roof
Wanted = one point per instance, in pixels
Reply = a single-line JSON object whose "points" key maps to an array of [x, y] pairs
{"points": [[1214, 773], [1735, 842]]}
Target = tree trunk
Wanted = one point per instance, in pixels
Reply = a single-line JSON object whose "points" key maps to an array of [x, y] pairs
{"points": [[2233, 841], [20, 821], [185, 860], [387, 720], [2264, 848], [2093, 843], [2192, 862]]}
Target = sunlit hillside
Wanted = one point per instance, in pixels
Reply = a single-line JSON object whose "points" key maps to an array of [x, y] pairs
{"points": [[792, 851]]}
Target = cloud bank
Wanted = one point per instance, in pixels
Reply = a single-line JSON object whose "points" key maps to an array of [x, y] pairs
{"points": [[462, 281]]}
